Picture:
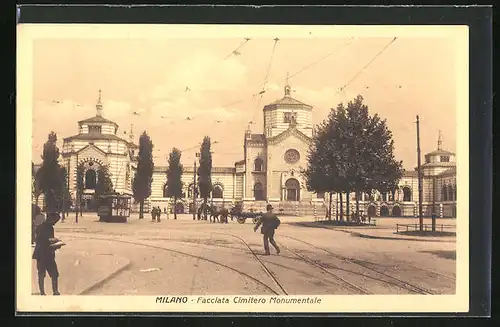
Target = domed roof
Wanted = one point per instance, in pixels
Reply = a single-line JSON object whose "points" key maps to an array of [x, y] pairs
{"points": [[287, 100], [97, 119], [440, 152]]}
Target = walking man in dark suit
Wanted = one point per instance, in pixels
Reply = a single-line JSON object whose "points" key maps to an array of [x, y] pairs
{"points": [[270, 223], [44, 252]]}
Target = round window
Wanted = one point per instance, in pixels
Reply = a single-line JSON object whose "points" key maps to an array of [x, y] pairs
{"points": [[292, 156]]}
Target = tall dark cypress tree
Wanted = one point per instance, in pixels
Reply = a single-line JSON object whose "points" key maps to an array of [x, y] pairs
{"points": [[205, 172], [49, 175], [174, 177], [144, 176]]}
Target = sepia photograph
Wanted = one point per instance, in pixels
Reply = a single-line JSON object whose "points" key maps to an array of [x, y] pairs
{"points": [[242, 168]]}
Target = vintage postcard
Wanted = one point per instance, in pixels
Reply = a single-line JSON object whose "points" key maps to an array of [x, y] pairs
{"points": [[217, 168]]}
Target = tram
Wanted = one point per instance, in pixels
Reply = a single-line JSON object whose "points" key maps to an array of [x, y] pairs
{"points": [[114, 208]]}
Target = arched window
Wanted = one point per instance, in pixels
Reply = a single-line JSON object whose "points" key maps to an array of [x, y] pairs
{"points": [[258, 192], [368, 197], [384, 211], [258, 164], [444, 193], [406, 194], [90, 179], [393, 195], [292, 190], [217, 192], [384, 196], [450, 193]]}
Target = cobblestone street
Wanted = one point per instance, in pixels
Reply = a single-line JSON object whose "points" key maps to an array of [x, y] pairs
{"points": [[198, 257]]}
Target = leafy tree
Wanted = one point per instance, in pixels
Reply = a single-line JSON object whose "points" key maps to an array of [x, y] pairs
{"points": [[49, 174], [319, 174], [104, 184], [174, 177], [372, 152], [326, 158], [205, 172], [355, 152], [143, 178]]}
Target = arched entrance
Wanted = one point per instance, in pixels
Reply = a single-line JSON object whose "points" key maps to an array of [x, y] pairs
{"points": [[384, 211], [372, 211], [396, 211], [292, 187], [258, 192], [90, 179]]}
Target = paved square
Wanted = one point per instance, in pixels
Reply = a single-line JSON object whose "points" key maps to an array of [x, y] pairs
{"points": [[187, 256]]}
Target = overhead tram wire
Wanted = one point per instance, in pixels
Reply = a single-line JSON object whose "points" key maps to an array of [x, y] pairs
{"points": [[261, 93], [342, 88], [186, 88], [235, 51], [351, 40], [244, 42]]}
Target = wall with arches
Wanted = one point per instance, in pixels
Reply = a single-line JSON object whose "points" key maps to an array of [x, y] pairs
{"points": [[224, 179]]}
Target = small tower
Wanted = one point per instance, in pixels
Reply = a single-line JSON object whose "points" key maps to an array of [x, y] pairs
{"points": [[440, 142], [131, 133], [288, 89], [248, 133], [99, 105]]}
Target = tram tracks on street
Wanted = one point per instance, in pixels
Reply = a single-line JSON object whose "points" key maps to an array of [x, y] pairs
{"points": [[107, 239], [394, 281], [356, 288], [264, 267]]}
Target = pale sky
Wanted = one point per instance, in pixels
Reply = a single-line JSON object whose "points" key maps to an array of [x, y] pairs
{"points": [[414, 75]]}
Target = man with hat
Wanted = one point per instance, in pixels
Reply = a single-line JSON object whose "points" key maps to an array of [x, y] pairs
{"points": [[270, 223], [44, 252]]}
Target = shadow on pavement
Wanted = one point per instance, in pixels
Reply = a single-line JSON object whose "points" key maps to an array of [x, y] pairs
{"points": [[427, 233]]}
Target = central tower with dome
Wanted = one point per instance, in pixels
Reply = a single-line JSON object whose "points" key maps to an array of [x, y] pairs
{"points": [[270, 171]]}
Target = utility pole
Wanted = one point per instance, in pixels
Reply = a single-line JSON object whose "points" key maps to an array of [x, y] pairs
{"points": [[419, 171], [68, 175], [77, 195], [194, 189]]}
